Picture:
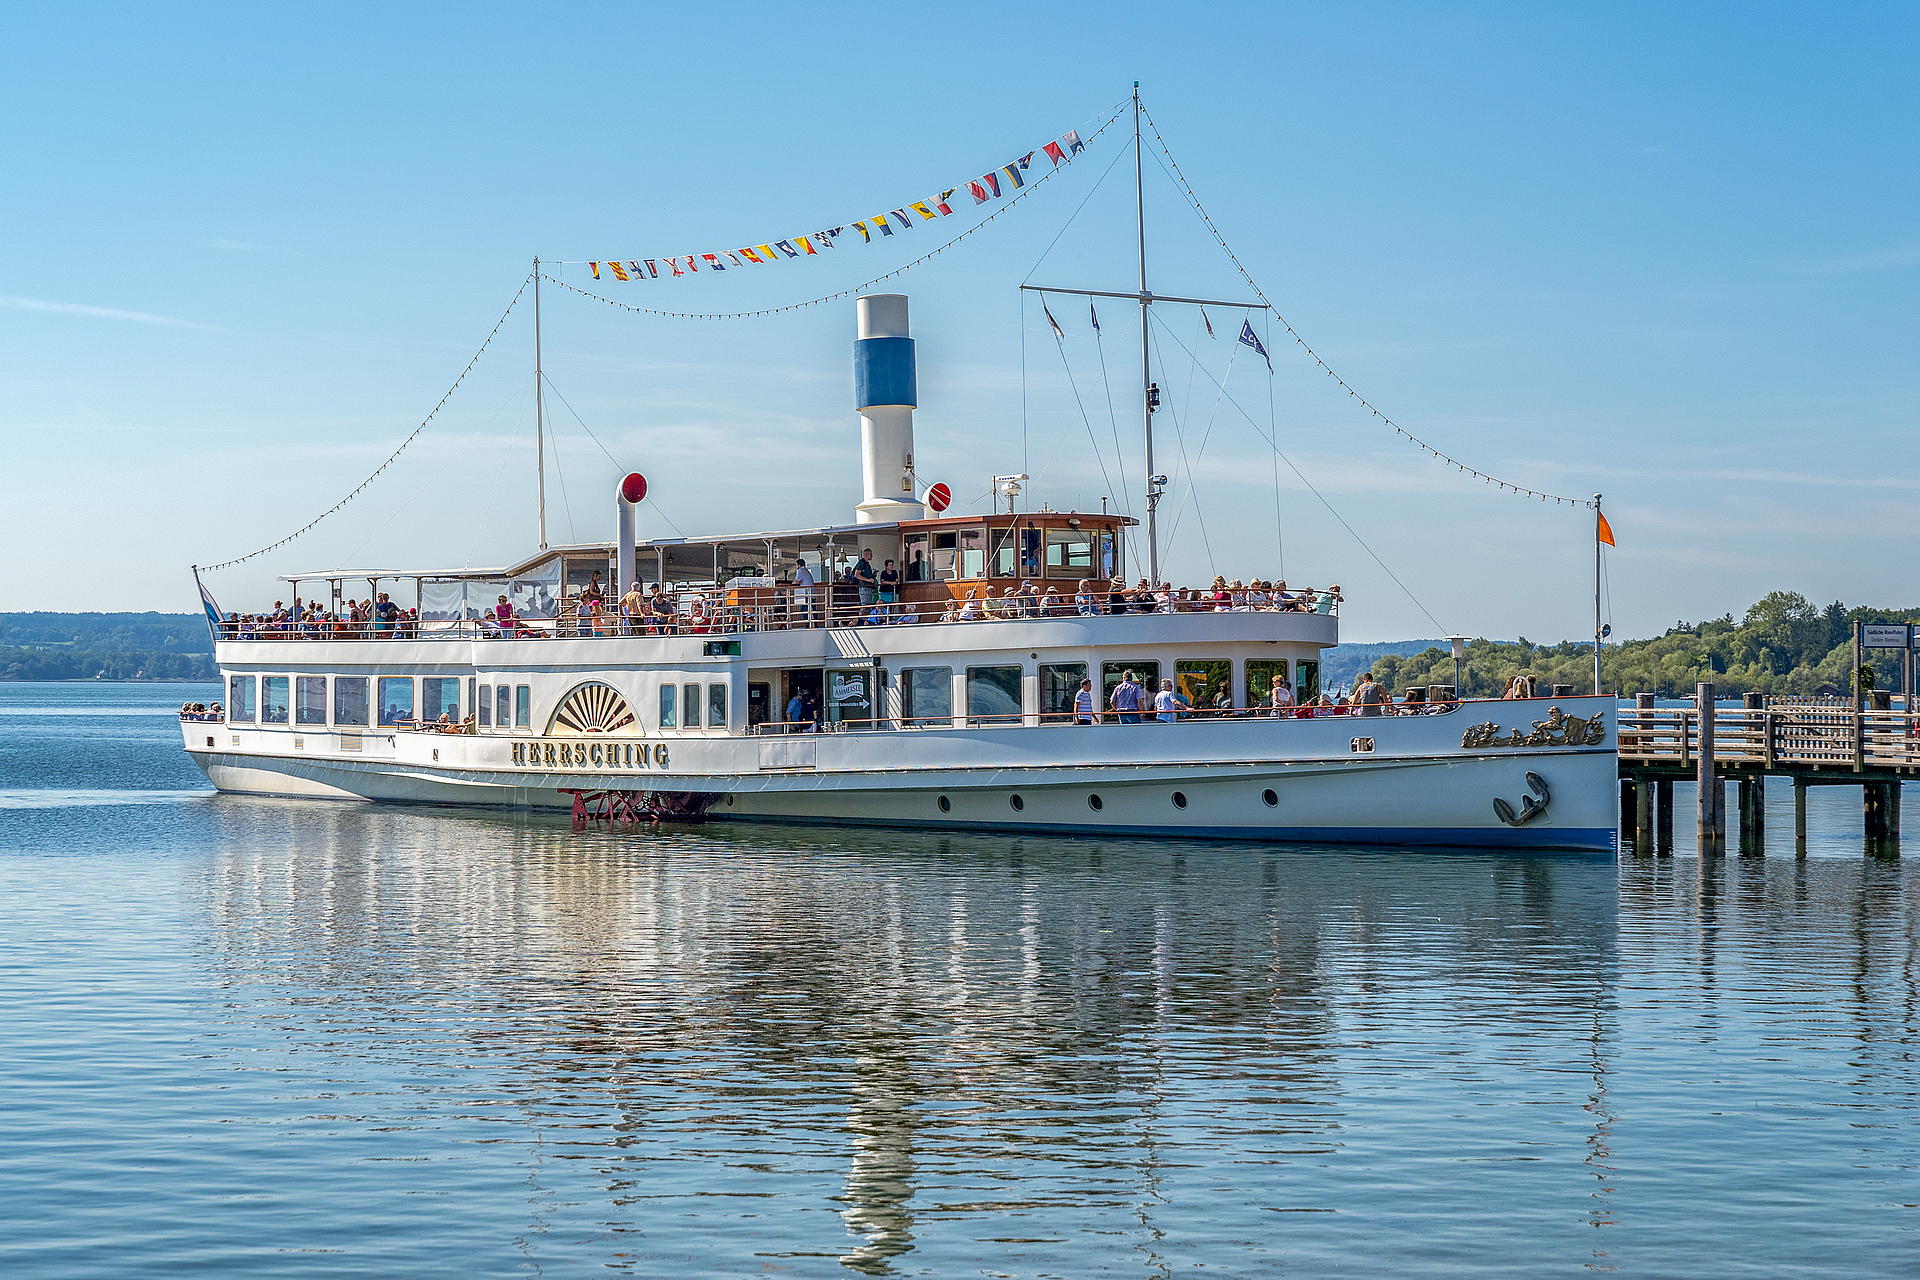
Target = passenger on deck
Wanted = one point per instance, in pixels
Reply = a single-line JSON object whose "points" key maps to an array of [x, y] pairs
{"points": [[386, 614], [1127, 699], [969, 611], [594, 593], [1143, 598], [633, 610], [889, 583], [1369, 695], [1280, 697], [1086, 710], [660, 605], [1085, 602], [917, 567], [802, 592], [908, 613], [1051, 605], [698, 623], [1118, 596], [1167, 704], [863, 577], [1329, 599]]}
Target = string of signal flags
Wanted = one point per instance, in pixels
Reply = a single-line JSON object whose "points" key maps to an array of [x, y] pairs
{"points": [[991, 185]]}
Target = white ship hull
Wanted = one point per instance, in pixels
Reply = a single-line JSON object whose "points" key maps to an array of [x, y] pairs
{"points": [[1389, 780]]}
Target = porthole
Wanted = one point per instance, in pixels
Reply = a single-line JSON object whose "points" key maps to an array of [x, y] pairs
{"points": [[1179, 799], [1270, 797], [944, 803], [1094, 803], [1017, 803]]}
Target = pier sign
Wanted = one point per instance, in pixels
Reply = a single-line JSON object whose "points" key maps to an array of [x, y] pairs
{"points": [[1876, 635]]}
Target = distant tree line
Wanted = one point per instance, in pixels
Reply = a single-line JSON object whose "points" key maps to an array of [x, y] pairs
{"points": [[105, 646], [1784, 645]]}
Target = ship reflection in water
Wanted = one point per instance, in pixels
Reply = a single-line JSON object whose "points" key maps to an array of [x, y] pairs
{"points": [[742, 1050]]}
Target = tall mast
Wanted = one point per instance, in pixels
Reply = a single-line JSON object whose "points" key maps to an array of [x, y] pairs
{"points": [[1596, 593], [539, 410], [1146, 376]]}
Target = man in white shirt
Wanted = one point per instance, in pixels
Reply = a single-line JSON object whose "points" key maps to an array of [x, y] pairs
{"points": [[802, 591], [1085, 710], [1167, 705], [1281, 700]]}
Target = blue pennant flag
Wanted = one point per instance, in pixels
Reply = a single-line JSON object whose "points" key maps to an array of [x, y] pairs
{"points": [[1093, 316], [1248, 338]]}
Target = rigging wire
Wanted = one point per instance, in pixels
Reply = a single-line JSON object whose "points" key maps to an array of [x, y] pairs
{"points": [[1033, 185], [1191, 498], [610, 458], [1331, 509], [1061, 346], [1273, 425], [395, 455], [1220, 239], [1188, 500], [1125, 497]]}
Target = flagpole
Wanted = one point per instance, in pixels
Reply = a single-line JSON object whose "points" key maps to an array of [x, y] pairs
{"points": [[1596, 592], [1146, 372], [539, 411], [213, 632]]}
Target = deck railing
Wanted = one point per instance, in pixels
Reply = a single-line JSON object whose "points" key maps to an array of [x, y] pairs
{"points": [[1800, 736], [754, 609]]}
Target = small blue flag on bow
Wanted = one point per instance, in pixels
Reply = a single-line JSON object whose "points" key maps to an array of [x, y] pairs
{"points": [[1248, 338]]}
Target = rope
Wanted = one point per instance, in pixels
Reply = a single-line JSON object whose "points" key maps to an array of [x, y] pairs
{"points": [[1331, 510], [1032, 186], [395, 455], [1187, 190]]}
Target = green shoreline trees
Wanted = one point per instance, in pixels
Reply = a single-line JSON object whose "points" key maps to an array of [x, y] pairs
{"points": [[1784, 645]]}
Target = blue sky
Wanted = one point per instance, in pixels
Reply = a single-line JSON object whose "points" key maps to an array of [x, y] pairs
{"points": [[1664, 252]]}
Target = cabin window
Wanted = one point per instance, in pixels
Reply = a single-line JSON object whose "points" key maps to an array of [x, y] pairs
{"points": [[944, 555], [484, 705], [523, 706], [993, 695], [690, 707], [1307, 679], [1069, 554], [240, 691], [396, 699], [716, 706], [1260, 674], [667, 718], [310, 700], [1146, 674], [503, 705], [926, 695], [273, 699], [1059, 681], [440, 696], [350, 700], [973, 553], [921, 570], [1202, 680], [850, 697]]}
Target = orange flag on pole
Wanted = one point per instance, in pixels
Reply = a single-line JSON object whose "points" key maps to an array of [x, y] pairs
{"points": [[1604, 531]]}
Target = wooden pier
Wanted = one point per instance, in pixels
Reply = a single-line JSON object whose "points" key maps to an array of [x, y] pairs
{"points": [[1814, 741]]}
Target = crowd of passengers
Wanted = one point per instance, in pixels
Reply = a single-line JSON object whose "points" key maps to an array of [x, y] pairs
{"points": [[354, 620], [592, 611]]}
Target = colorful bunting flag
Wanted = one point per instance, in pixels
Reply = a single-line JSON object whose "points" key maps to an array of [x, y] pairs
{"points": [[988, 186]]}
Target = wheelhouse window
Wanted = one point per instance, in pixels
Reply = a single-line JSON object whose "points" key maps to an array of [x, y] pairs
{"points": [[716, 706], [440, 696], [273, 699], [310, 700], [350, 700], [396, 700], [523, 706], [1059, 681], [667, 717], [1204, 681], [1260, 674], [926, 695], [1069, 554], [993, 695], [1145, 674], [240, 698], [690, 706], [973, 553]]}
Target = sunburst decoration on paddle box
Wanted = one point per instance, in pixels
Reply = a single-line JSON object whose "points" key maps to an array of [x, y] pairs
{"points": [[593, 708]]}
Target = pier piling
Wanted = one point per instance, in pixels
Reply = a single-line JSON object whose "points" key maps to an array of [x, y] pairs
{"points": [[1799, 817], [1712, 817]]}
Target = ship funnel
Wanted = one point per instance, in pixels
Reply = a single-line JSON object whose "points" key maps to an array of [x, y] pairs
{"points": [[885, 393]]}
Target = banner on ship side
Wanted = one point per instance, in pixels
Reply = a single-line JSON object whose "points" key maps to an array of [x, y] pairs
{"points": [[992, 185]]}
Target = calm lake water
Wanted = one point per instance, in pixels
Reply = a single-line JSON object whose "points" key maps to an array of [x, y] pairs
{"points": [[263, 1038]]}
